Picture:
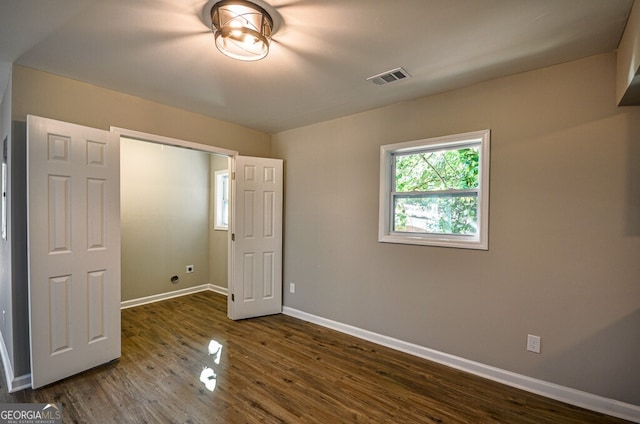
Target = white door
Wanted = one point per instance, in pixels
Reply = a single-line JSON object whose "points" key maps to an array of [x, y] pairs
{"points": [[74, 248], [256, 246]]}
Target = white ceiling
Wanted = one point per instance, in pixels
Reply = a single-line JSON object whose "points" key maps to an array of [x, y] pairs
{"points": [[319, 59]]}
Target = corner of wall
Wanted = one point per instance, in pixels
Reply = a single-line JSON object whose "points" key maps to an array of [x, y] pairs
{"points": [[628, 61]]}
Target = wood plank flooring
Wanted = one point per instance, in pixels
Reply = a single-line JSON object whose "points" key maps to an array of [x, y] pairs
{"points": [[277, 369]]}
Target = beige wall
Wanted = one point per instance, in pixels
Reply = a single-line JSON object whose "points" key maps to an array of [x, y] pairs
{"points": [[564, 244], [164, 218], [51, 96]]}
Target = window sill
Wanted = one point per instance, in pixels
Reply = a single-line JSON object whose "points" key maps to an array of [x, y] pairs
{"points": [[435, 241]]}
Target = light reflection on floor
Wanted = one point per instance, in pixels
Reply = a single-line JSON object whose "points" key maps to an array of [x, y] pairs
{"points": [[208, 375]]}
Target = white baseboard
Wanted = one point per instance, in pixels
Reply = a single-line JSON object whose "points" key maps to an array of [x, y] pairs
{"points": [[553, 391], [219, 289], [6, 362], [21, 383], [14, 384], [169, 295]]}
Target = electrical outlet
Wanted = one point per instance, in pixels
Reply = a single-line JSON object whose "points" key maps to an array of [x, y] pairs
{"points": [[189, 269], [292, 288], [533, 343]]}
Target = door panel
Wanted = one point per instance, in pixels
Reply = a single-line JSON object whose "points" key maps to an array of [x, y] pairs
{"points": [[74, 248], [256, 254]]}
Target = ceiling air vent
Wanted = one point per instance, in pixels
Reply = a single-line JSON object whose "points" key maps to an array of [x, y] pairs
{"points": [[389, 76]]}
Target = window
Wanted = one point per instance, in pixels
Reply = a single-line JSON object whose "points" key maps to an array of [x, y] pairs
{"points": [[436, 191], [222, 200]]}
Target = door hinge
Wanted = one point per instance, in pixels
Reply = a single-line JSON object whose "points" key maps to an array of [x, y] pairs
{"points": [[233, 175], [233, 237], [233, 297]]}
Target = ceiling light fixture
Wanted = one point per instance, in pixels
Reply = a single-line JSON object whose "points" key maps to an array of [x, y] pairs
{"points": [[242, 29]]}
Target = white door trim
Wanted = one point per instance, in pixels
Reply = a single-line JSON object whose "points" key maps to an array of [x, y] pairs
{"points": [[154, 138]]}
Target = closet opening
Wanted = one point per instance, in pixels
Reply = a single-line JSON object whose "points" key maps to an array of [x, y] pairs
{"points": [[174, 218]]}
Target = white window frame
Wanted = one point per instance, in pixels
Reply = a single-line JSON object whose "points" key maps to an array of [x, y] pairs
{"points": [[385, 225], [222, 196]]}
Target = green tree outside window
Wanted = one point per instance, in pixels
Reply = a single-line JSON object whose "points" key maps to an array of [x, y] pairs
{"points": [[436, 191]]}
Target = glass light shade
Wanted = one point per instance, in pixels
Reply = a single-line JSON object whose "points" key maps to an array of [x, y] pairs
{"points": [[242, 30]]}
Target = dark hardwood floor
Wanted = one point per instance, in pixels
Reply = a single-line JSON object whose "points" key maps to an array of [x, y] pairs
{"points": [[277, 369]]}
